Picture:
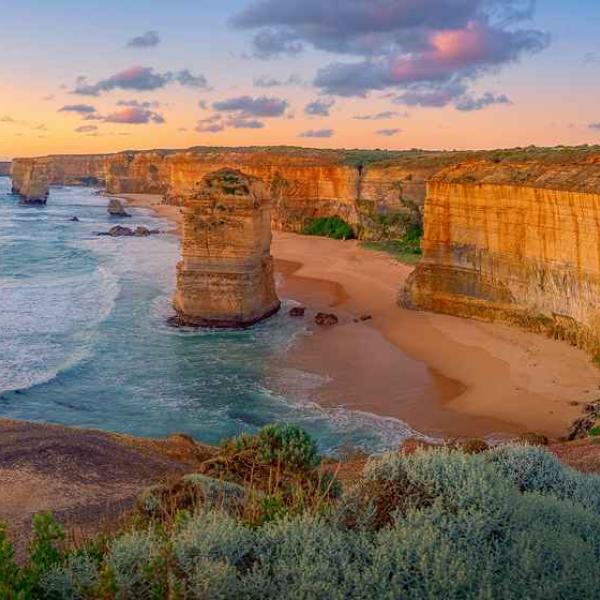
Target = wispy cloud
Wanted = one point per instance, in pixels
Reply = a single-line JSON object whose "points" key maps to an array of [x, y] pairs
{"points": [[140, 79], [149, 39], [317, 133]]}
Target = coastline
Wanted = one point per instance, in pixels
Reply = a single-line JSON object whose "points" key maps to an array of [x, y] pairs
{"points": [[470, 378]]}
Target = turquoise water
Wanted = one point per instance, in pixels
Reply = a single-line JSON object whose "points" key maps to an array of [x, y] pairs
{"points": [[83, 338]]}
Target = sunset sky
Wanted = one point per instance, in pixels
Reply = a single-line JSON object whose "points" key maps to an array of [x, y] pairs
{"points": [[118, 74]]}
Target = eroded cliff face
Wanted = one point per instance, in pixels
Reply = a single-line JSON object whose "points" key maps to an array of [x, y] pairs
{"points": [[514, 243], [375, 198], [226, 275], [32, 177]]}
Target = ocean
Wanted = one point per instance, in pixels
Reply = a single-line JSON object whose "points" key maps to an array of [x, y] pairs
{"points": [[84, 339]]}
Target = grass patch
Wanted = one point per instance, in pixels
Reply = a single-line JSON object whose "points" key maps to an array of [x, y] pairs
{"points": [[407, 249], [331, 227]]}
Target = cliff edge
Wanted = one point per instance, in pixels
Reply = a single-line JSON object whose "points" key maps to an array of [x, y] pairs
{"points": [[515, 242]]}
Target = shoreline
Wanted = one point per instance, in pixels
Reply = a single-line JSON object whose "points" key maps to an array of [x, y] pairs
{"points": [[505, 380]]}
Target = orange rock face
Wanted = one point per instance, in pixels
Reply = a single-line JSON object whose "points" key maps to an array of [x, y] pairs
{"points": [[514, 244], [304, 183], [225, 277]]}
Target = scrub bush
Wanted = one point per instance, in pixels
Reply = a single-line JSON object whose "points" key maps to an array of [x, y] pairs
{"points": [[331, 227], [507, 523]]}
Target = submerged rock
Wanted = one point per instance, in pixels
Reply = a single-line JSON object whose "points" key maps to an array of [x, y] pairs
{"points": [[116, 208], [74, 220], [297, 311], [326, 319]]}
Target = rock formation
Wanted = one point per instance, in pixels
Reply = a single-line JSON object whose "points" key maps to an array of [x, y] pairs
{"points": [[515, 242], [225, 277], [4, 169], [116, 209], [372, 191]]}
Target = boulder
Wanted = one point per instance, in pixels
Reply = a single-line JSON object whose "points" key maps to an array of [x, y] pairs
{"points": [[326, 319], [116, 208], [142, 231], [118, 231], [297, 311]]}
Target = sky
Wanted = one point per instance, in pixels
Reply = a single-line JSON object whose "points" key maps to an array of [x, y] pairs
{"points": [[90, 77]]}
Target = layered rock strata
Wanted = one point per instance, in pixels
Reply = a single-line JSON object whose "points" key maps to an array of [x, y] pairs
{"points": [[226, 276], [375, 192], [516, 243]]}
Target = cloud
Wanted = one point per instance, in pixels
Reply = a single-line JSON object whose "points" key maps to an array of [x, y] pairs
{"points": [[468, 103], [138, 104], [81, 109], [134, 115], [317, 133], [7, 119], [388, 132], [139, 79], [395, 44], [590, 58], [381, 116], [213, 124], [241, 123], [272, 44], [265, 81], [246, 106], [150, 39], [595, 126], [319, 108], [86, 128], [432, 95]]}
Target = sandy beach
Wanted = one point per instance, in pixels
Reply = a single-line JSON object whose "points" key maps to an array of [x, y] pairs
{"points": [[444, 376]]}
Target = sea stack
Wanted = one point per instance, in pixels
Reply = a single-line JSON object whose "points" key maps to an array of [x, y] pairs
{"points": [[225, 276]]}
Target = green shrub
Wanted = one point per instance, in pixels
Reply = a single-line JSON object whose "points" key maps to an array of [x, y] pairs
{"points": [[407, 249], [212, 536], [331, 227], [507, 523], [134, 564], [281, 444], [534, 469]]}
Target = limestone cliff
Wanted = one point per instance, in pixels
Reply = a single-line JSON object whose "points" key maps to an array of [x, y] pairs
{"points": [[517, 243], [373, 191], [4, 169], [226, 277]]}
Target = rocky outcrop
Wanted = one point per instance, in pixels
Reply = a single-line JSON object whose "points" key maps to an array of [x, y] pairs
{"points": [[116, 209], [225, 277], [517, 243], [4, 169], [31, 181], [32, 177]]}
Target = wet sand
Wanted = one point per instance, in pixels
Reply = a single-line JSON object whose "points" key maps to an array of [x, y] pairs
{"points": [[442, 375]]}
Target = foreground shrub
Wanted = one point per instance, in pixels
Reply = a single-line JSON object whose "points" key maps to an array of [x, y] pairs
{"points": [[507, 523], [533, 469], [331, 227]]}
